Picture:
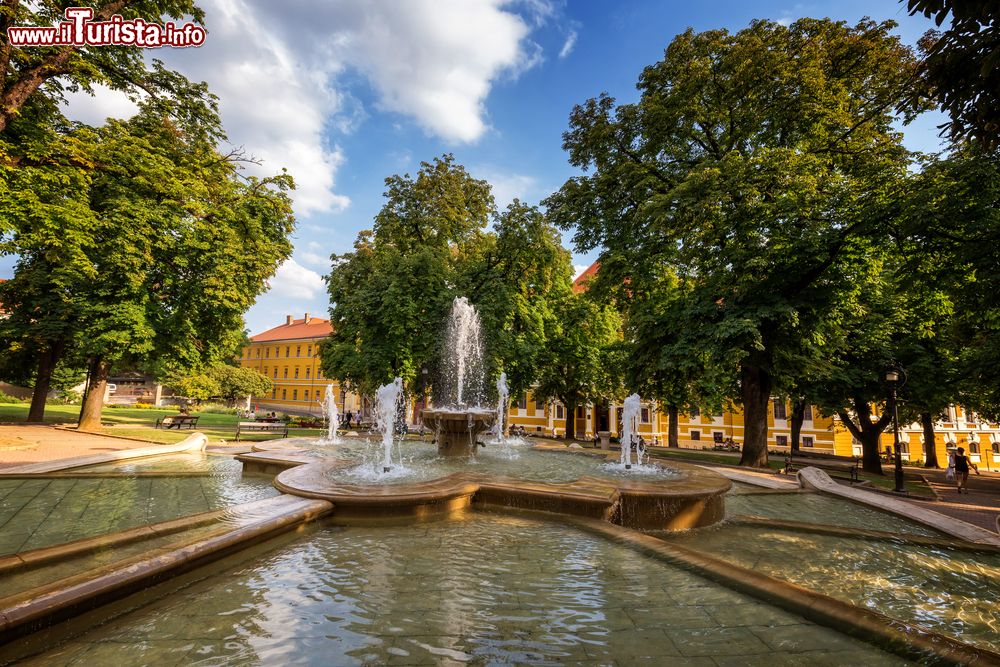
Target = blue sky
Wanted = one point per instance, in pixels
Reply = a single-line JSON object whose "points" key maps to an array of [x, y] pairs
{"points": [[349, 92]]}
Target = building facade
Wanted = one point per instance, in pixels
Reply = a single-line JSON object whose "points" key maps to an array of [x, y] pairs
{"points": [[289, 355]]}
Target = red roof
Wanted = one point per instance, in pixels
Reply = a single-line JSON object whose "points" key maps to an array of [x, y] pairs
{"points": [[580, 284], [295, 330]]}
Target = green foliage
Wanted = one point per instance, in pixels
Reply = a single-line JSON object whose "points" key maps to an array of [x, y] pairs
{"points": [[580, 356], [754, 167], [236, 382], [196, 386], [7, 398], [961, 68], [391, 295]]}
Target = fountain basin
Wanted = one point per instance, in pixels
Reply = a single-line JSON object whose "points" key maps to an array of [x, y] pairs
{"points": [[693, 499], [457, 428]]}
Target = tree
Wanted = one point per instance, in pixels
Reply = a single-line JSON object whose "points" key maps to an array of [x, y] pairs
{"points": [[197, 387], [149, 259], [961, 66], [391, 296], [236, 382], [749, 166], [576, 367], [52, 71]]}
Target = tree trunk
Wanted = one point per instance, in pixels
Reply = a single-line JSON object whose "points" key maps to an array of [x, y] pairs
{"points": [[570, 422], [673, 427], [47, 360], [755, 387], [930, 448], [93, 400], [798, 416], [867, 433]]}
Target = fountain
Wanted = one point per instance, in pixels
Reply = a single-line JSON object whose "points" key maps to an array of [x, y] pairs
{"points": [[386, 411], [503, 398], [332, 417], [459, 422], [630, 419]]}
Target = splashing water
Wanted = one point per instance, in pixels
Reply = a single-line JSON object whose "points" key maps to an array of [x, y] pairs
{"points": [[332, 417], [630, 430], [503, 399], [462, 381], [387, 400]]}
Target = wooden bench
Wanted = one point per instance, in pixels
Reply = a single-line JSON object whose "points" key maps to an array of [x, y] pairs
{"points": [[833, 465], [261, 427], [177, 421]]}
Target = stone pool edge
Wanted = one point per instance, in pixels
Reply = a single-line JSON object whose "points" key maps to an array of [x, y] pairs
{"points": [[890, 634], [196, 442]]}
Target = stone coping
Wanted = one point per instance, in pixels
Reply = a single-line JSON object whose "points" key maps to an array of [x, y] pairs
{"points": [[814, 478], [26, 612], [862, 533], [902, 638], [195, 442], [769, 481], [693, 500]]}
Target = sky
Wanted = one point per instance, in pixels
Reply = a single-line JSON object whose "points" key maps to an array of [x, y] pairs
{"points": [[346, 93]]}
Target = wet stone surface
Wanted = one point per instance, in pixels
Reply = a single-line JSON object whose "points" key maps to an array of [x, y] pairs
{"points": [[482, 590]]}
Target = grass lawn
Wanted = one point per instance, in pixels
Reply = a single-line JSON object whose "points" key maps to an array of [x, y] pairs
{"points": [[133, 423]]}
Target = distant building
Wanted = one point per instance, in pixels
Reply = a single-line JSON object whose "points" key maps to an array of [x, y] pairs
{"points": [[289, 355]]}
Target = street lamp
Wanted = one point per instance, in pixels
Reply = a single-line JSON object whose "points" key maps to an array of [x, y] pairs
{"points": [[892, 379]]}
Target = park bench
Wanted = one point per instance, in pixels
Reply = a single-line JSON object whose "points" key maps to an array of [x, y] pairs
{"points": [[830, 464], [261, 427], [177, 421]]}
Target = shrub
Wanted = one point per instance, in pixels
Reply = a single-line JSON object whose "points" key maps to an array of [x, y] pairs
{"points": [[217, 409], [7, 398]]}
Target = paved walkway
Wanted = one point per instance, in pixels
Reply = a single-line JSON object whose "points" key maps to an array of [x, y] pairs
{"points": [[20, 445], [981, 506]]}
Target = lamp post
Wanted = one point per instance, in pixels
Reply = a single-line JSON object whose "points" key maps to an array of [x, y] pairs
{"points": [[892, 379]]}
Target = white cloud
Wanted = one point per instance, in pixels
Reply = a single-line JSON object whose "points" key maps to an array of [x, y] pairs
{"points": [[312, 255], [567, 47], [103, 104], [578, 269], [507, 186], [294, 281]]}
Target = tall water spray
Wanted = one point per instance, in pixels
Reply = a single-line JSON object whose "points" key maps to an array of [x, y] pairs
{"points": [[332, 416], [630, 429], [462, 381], [386, 402], [503, 403]]}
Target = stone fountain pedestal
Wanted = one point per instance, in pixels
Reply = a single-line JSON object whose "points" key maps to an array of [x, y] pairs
{"points": [[457, 429], [605, 437]]}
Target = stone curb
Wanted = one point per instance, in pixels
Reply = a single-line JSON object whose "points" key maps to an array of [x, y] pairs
{"points": [[195, 442], [814, 478], [26, 613], [891, 634]]}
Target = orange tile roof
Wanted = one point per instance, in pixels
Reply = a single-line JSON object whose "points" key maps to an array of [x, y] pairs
{"points": [[580, 284], [295, 330]]}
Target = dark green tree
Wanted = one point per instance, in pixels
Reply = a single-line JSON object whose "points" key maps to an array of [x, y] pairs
{"points": [[751, 162]]}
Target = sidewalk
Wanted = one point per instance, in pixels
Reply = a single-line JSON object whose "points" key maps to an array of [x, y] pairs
{"points": [[20, 445], [981, 506]]}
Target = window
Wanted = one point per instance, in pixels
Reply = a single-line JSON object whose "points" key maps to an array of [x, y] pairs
{"points": [[717, 436], [298, 350], [274, 392], [275, 372], [522, 402], [580, 414], [288, 351], [308, 371], [559, 412], [319, 373], [267, 353], [808, 414], [645, 416], [696, 435], [781, 440], [973, 447], [539, 406], [296, 372], [996, 447], [284, 394], [265, 370], [807, 441], [295, 394], [779, 409], [258, 353], [286, 372]]}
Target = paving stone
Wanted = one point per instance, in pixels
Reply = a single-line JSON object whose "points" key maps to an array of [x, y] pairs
{"points": [[716, 642]]}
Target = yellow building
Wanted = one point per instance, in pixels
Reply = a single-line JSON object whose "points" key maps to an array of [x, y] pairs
{"points": [[289, 356]]}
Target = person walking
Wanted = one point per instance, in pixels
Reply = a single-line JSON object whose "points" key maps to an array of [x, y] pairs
{"points": [[962, 464]]}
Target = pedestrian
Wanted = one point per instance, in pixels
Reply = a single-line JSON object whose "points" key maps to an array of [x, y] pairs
{"points": [[350, 416], [962, 464], [949, 474]]}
